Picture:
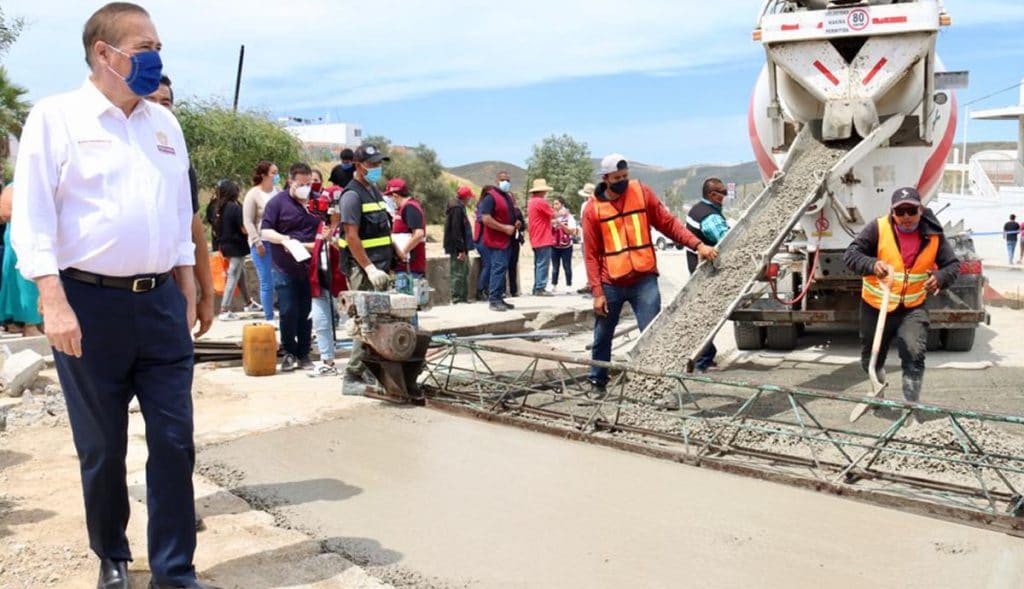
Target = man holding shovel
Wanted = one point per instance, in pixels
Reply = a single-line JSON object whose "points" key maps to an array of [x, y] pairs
{"points": [[907, 252]]}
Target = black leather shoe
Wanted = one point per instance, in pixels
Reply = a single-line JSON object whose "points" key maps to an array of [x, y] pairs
{"points": [[191, 585], [113, 574]]}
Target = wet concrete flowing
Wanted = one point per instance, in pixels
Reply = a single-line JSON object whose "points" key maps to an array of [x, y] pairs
{"points": [[430, 500], [700, 305]]}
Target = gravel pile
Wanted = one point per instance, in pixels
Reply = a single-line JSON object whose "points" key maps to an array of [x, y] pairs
{"points": [[41, 404], [705, 299], [941, 433]]}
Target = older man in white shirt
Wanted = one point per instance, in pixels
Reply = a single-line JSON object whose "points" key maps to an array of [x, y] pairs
{"points": [[102, 223]]}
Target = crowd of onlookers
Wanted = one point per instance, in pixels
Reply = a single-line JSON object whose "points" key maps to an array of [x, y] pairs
{"points": [[259, 223]]}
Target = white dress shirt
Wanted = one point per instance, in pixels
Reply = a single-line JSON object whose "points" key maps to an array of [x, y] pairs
{"points": [[101, 192]]}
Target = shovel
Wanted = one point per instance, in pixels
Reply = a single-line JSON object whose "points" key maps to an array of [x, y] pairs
{"points": [[877, 387]]}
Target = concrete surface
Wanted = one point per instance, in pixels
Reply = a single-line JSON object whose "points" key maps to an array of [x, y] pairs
{"points": [[463, 503]]}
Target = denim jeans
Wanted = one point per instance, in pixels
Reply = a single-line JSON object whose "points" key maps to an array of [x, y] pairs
{"points": [[541, 268], [483, 281], [497, 259], [1010, 247], [706, 357], [643, 297], [235, 278], [561, 256], [295, 300], [323, 324], [265, 273]]}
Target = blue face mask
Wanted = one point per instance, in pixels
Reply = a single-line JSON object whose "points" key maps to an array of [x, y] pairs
{"points": [[144, 79], [504, 185], [907, 231], [373, 175], [277, 179]]}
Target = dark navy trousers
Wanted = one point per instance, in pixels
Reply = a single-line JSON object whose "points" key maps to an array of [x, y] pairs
{"points": [[134, 345]]}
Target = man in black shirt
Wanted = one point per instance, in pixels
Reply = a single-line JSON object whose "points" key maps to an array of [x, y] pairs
{"points": [[164, 96], [1010, 231], [343, 173]]}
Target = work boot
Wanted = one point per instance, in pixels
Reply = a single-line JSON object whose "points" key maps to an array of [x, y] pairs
{"points": [[501, 307], [911, 388]]}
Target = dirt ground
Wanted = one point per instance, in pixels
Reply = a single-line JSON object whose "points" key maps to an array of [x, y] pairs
{"points": [[340, 492]]}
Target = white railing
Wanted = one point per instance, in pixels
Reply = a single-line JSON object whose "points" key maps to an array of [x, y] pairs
{"points": [[981, 184]]}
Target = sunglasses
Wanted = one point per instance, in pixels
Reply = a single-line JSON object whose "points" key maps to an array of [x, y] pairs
{"points": [[906, 211]]}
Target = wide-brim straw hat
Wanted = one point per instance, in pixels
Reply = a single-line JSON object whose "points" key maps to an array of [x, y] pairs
{"points": [[588, 190], [540, 185]]}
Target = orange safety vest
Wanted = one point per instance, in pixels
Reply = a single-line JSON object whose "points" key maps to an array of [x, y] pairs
{"points": [[626, 235], [907, 285]]}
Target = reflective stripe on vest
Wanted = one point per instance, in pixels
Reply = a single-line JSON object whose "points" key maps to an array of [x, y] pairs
{"points": [[907, 285], [368, 243], [626, 235]]}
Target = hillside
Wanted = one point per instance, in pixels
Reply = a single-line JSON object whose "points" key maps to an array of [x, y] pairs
{"points": [[482, 173], [685, 181]]}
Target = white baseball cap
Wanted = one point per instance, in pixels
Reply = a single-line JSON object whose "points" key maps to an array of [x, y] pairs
{"points": [[612, 163]]}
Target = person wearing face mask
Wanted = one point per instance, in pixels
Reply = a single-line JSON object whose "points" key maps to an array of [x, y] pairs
{"points": [[287, 219], [706, 221], [342, 173], [621, 263], [903, 249], [102, 222], [264, 180], [499, 228], [367, 254]]}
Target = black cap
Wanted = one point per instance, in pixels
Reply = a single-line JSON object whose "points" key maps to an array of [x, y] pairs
{"points": [[908, 195], [369, 154], [346, 154]]}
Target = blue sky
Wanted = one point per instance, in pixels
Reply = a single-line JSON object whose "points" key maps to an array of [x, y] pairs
{"points": [[666, 82]]}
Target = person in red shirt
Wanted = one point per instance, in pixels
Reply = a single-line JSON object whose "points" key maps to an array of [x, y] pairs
{"points": [[620, 259], [542, 235], [410, 222]]}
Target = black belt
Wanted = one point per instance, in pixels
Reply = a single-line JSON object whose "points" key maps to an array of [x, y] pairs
{"points": [[138, 283]]}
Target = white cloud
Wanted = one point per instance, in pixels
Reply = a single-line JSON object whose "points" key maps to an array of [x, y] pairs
{"points": [[304, 52], [320, 53]]}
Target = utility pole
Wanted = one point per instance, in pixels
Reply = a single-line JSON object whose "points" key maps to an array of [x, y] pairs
{"points": [[238, 78]]}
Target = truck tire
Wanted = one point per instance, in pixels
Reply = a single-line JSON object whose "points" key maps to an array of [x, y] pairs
{"points": [[781, 337], [960, 340], [661, 244], [934, 340], [748, 336]]}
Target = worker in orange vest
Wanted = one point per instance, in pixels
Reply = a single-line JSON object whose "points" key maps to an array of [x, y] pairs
{"points": [[621, 263], [907, 249]]}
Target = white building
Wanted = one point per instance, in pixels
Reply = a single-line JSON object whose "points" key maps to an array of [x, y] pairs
{"points": [[333, 136]]}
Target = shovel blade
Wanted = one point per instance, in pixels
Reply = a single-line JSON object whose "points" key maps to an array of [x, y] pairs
{"points": [[860, 408]]}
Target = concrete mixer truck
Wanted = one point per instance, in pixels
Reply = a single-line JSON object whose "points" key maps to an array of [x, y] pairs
{"points": [[862, 75]]}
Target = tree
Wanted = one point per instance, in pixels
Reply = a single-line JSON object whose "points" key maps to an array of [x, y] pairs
{"points": [[422, 170], [13, 111], [223, 143], [565, 164], [9, 31]]}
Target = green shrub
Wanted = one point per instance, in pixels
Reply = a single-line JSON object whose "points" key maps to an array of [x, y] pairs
{"points": [[227, 144]]}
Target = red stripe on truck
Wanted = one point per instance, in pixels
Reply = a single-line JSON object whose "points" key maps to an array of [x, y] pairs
{"points": [[932, 172], [764, 160], [874, 71], [828, 74], [790, 27]]}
